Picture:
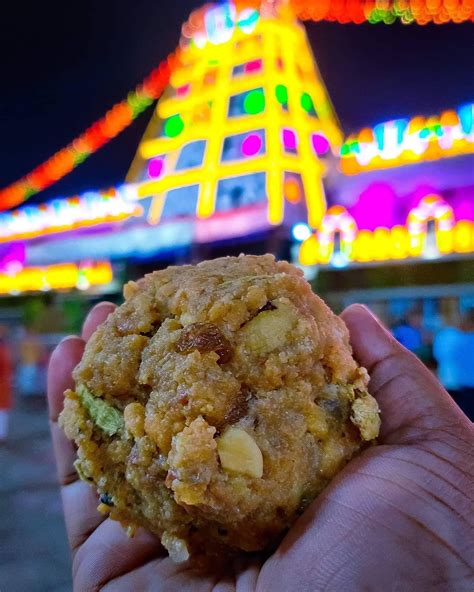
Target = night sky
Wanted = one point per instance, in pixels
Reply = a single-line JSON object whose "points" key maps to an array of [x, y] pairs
{"points": [[65, 63]]}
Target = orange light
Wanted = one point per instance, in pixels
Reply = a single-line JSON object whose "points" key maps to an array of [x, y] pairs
{"points": [[336, 211], [292, 191], [366, 135]]}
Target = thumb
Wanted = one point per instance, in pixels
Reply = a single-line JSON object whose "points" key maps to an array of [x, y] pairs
{"points": [[411, 399]]}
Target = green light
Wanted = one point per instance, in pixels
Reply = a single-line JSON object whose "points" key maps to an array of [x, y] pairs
{"points": [[345, 150], [80, 157], [389, 18], [354, 146], [29, 191], [254, 102], [173, 126], [307, 102], [282, 94]]}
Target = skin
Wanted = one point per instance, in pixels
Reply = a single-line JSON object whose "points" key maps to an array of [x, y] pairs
{"points": [[397, 518]]}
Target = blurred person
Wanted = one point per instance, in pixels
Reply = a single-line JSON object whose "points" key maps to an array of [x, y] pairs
{"points": [[29, 368], [409, 332], [465, 365], [6, 376], [445, 348]]}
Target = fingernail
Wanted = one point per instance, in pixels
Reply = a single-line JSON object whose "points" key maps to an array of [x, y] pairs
{"points": [[103, 303], [366, 309], [68, 338]]}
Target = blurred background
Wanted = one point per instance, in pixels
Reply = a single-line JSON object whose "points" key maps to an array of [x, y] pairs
{"points": [[337, 135]]}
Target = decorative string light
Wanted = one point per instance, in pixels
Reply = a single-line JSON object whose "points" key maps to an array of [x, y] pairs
{"points": [[98, 134], [404, 141], [64, 215], [420, 12]]}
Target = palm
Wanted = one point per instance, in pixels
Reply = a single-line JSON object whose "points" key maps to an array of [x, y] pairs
{"points": [[391, 518]]}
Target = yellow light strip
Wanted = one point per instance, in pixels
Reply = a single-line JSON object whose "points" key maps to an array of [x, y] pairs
{"points": [[236, 126], [226, 170], [234, 86], [215, 138], [396, 243], [64, 276], [273, 132], [195, 176]]}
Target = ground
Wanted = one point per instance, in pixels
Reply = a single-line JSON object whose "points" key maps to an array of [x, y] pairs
{"points": [[36, 555]]}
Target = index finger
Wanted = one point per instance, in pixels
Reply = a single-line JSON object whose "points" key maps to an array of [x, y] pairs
{"points": [[96, 317], [67, 355], [76, 495], [63, 361]]}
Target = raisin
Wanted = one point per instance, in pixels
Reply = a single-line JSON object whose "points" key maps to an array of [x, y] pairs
{"points": [[106, 499], [240, 407], [205, 337], [267, 306]]}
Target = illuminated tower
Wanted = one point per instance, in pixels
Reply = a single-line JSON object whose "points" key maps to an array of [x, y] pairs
{"points": [[246, 117]]}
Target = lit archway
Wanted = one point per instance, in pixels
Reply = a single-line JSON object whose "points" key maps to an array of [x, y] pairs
{"points": [[337, 223], [432, 208]]}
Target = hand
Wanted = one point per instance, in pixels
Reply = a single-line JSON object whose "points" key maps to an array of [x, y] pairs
{"points": [[397, 518], [103, 557]]}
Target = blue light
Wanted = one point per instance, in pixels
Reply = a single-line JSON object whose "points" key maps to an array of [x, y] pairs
{"points": [[379, 133], [466, 117], [339, 260], [248, 20], [301, 232], [220, 23]]}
